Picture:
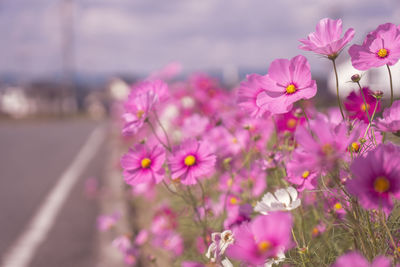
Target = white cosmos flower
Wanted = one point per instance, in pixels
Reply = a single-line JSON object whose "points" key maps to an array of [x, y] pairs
{"points": [[279, 258], [226, 263], [220, 242], [282, 200]]}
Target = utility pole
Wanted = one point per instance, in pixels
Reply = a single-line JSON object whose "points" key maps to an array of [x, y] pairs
{"points": [[68, 51]]}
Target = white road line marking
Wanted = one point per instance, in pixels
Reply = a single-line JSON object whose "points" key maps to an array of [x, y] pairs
{"points": [[23, 250]]}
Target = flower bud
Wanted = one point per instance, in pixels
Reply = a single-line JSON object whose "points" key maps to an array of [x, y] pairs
{"points": [[298, 113], [377, 94], [356, 78]]}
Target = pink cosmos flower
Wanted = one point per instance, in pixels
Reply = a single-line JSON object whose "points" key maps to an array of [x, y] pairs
{"points": [[207, 92], [355, 106], [391, 119], [141, 101], [260, 130], [252, 182], [248, 94], [105, 222], [334, 201], [170, 241], [122, 243], [137, 109], [327, 144], [288, 122], [221, 141], [146, 190], [380, 47], [141, 237], [300, 174], [201, 123], [171, 70], [262, 238], [227, 202], [355, 259], [143, 165], [203, 82], [377, 177], [237, 214], [192, 160], [131, 257], [334, 115], [318, 229], [273, 160], [227, 184], [157, 87], [164, 220], [287, 81], [326, 40]]}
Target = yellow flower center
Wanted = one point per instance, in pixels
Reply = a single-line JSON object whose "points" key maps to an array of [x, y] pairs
{"points": [[327, 149], [315, 231], [382, 53], [365, 108], [305, 174], [145, 163], [355, 147], [229, 182], [290, 89], [139, 114], [233, 200], [264, 246], [190, 160], [234, 140], [291, 123], [337, 206], [381, 184]]}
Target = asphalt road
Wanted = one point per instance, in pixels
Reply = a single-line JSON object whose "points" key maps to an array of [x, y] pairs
{"points": [[33, 156]]}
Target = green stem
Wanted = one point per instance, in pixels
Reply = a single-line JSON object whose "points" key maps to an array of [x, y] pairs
{"points": [[367, 110], [391, 85], [372, 118], [383, 220], [203, 200], [157, 137], [365, 102], [298, 248], [197, 213], [163, 129], [337, 87], [371, 232], [174, 193], [305, 114]]}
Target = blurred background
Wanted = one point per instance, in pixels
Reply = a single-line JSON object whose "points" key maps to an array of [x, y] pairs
{"points": [[67, 49], [63, 62]]}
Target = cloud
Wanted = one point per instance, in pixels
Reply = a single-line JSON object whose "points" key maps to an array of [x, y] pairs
{"points": [[139, 36]]}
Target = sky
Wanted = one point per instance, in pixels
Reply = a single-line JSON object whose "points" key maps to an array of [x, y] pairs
{"points": [[140, 36]]}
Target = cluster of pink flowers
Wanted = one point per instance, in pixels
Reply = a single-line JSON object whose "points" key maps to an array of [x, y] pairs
{"points": [[256, 175]]}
